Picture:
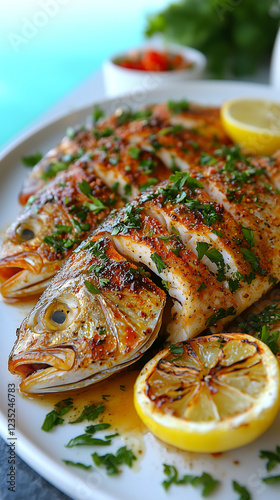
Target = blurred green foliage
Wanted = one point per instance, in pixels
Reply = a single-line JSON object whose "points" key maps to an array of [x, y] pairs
{"points": [[234, 34]]}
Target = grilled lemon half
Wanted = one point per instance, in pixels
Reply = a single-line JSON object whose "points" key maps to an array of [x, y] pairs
{"points": [[209, 394]]}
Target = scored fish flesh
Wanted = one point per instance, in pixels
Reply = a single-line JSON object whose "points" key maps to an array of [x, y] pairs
{"points": [[128, 152]]}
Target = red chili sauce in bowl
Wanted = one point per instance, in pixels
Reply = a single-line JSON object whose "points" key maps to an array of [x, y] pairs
{"points": [[152, 60]]}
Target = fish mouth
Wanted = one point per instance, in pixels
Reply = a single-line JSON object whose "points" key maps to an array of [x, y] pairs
{"points": [[24, 274], [40, 378], [32, 365]]}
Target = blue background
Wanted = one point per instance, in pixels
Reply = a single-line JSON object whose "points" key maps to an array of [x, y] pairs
{"points": [[47, 47]]}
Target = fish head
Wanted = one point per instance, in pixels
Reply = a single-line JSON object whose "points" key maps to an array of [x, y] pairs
{"points": [[99, 314], [27, 262]]}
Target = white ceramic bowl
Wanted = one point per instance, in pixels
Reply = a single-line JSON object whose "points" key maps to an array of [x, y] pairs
{"points": [[120, 80]]}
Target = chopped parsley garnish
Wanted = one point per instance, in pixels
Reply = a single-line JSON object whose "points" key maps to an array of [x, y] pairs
{"points": [[213, 255], [234, 281], [91, 288], [104, 281], [106, 396], [105, 132], [85, 188], [31, 200], [271, 339], [129, 116], [102, 331], [232, 156], [268, 316], [127, 189], [160, 264], [173, 193], [272, 457], [258, 325], [96, 206], [165, 285], [220, 314], [208, 483], [97, 114], [90, 412], [77, 464], [218, 233], [271, 479], [148, 165], [201, 287], [176, 349], [87, 440], [122, 387], [248, 236], [202, 247], [60, 244], [134, 152], [174, 130], [80, 227], [178, 106], [70, 132], [111, 462], [272, 280], [53, 418], [206, 159], [53, 169], [180, 179], [61, 229], [32, 160], [150, 182], [231, 195], [253, 260], [92, 429], [131, 220], [241, 490]]}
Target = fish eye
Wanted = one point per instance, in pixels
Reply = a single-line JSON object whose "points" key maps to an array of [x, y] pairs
{"points": [[59, 314], [59, 317], [28, 229], [27, 234]]}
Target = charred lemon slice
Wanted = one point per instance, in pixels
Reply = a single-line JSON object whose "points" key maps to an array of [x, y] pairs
{"points": [[254, 123], [209, 394]]}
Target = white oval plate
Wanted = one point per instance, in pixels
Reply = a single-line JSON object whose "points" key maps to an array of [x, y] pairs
{"points": [[44, 451]]}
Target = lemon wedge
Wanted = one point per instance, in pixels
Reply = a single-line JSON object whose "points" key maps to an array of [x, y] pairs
{"points": [[209, 394], [253, 123]]}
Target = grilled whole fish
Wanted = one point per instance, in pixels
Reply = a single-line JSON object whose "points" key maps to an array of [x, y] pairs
{"points": [[50, 226], [99, 315], [132, 126], [211, 235], [129, 152]]}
